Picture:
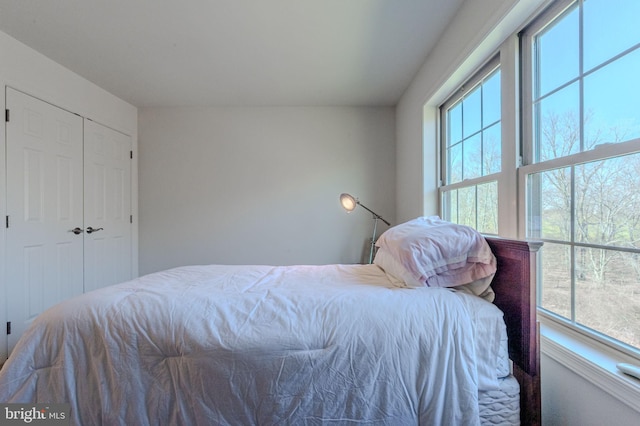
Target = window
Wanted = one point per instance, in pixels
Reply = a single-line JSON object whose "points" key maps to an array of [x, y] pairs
{"points": [[581, 173], [471, 150]]}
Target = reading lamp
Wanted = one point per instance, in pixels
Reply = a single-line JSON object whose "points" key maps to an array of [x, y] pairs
{"points": [[349, 203]]}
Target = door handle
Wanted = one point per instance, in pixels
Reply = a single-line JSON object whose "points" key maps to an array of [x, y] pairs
{"points": [[77, 230], [91, 230]]}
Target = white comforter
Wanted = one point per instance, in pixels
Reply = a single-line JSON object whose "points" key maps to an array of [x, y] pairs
{"points": [[262, 345]]}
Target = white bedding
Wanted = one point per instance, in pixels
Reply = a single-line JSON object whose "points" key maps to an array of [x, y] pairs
{"points": [[262, 345]]}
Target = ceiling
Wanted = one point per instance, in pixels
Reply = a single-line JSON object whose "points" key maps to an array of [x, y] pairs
{"points": [[236, 52]]}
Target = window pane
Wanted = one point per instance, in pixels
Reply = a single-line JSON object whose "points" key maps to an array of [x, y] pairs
{"points": [[608, 202], [492, 149], [491, 101], [557, 124], [472, 163], [467, 206], [601, 43], [555, 284], [549, 200], [455, 124], [612, 102], [454, 164], [488, 208], [471, 113], [608, 293], [450, 205], [475, 206], [558, 54]]}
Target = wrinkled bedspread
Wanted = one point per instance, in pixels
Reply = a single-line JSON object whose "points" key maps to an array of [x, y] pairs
{"points": [[242, 345]]}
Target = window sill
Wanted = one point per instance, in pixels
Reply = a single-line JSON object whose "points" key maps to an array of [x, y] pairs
{"points": [[591, 360]]}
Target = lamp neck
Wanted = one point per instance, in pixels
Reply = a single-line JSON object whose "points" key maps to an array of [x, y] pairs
{"points": [[375, 215]]}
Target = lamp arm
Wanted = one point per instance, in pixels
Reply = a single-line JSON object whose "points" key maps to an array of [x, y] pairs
{"points": [[375, 215]]}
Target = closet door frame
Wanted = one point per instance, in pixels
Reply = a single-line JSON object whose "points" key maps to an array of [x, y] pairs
{"points": [[4, 341]]}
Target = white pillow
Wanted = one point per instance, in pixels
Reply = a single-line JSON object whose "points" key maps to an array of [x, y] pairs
{"points": [[394, 270], [481, 288], [433, 252]]}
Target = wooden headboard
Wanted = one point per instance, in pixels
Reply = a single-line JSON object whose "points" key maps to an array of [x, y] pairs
{"points": [[515, 288]]}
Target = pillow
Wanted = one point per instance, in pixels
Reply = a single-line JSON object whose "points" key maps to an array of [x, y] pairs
{"points": [[436, 253], [400, 276], [397, 274], [481, 288]]}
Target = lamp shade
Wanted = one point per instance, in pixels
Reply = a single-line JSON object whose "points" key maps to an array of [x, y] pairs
{"points": [[348, 202]]}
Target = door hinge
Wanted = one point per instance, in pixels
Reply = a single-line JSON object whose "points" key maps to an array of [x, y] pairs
{"points": [[8, 327], [130, 218], [6, 115], [131, 154], [7, 222]]}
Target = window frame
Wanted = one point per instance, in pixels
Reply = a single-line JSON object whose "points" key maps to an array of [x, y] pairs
{"points": [[507, 56], [488, 68], [530, 167], [578, 352]]}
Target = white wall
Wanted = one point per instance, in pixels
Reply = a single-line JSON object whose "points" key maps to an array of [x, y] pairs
{"points": [[27, 70], [570, 400], [261, 185], [477, 31]]}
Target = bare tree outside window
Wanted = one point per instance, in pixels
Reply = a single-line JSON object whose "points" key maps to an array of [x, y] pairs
{"points": [[605, 198]]}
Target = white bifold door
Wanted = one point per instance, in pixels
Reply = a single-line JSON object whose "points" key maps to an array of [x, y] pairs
{"points": [[68, 204], [107, 206]]}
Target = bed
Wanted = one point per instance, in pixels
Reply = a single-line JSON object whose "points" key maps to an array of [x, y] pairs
{"points": [[305, 344]]}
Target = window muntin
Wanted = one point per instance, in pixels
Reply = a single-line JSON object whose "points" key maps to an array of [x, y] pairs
{"points": [[582, 185]]}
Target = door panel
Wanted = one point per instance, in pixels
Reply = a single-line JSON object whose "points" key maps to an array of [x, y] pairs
{"points": [[44, 203], [107, 198]]}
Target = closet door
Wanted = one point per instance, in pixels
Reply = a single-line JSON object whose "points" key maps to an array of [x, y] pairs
{"points": [[44, 205], [107, 206]]}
